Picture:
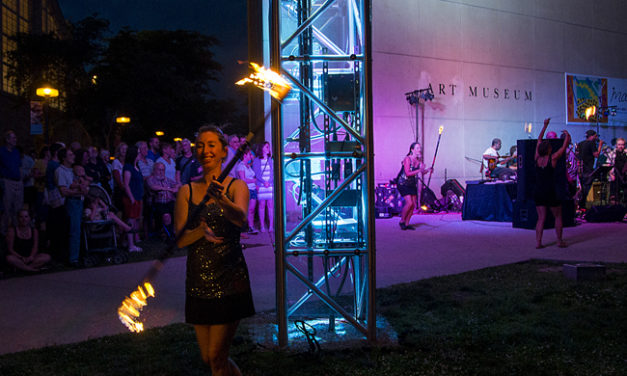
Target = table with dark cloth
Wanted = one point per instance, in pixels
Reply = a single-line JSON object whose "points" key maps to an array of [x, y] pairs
{"points": [[489, 201]]}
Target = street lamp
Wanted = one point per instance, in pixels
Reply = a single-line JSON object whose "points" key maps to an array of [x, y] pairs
{"points": [[122, 120], [159, 133], [47, 92]]}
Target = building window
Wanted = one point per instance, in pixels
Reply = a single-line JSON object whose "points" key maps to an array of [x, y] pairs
{"points": [[15, 18]]}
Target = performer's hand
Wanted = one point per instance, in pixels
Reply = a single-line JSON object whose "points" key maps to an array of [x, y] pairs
{"points": [[215, 190], [210, 235]]}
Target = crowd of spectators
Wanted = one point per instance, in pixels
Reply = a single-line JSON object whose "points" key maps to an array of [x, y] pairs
{"points": [[47, 195]]}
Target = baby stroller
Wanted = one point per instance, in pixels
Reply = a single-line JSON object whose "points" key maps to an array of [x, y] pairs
{"points": [[100, 236]]}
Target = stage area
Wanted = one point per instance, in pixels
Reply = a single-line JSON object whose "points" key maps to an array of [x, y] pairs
{"points": [[60, 308]]}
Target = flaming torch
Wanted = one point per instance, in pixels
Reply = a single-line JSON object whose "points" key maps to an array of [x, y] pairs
{"points": [[590, 111], [440, 130], [267, 80], [131, 307]]}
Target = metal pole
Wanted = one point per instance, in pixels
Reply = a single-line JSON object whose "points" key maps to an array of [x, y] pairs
{"points": [[279, 221], [372, 316]]}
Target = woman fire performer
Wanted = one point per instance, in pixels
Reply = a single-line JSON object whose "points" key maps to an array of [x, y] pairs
{"points": [[217, 286], [408, 184]]}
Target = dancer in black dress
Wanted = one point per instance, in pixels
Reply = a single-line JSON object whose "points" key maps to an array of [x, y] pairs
{"points": [[545, 195], [412, 166], [217, 286]]}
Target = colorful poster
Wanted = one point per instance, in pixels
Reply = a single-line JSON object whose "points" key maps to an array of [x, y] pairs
{"points": [[608, 97]]}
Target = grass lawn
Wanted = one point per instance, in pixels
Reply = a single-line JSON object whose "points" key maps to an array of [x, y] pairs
{"points": [[519, 319]]}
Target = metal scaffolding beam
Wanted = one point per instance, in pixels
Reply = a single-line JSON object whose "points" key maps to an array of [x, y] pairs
{"points": [[324, 174]]}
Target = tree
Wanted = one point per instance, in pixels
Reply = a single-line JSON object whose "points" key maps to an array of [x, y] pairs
{"points": [[158, 78]]}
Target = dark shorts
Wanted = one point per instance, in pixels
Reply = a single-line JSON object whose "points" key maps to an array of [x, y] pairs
{"points": [[253, 194], [224, 310], [546, 200]]}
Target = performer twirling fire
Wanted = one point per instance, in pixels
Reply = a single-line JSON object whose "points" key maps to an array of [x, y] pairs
{"points": [[217, 286], [412, 167]]}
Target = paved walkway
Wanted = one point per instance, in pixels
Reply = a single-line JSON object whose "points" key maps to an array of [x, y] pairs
{"points": [[60, 308]]}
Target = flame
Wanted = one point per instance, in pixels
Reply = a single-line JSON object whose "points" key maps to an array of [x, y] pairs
{"points": [[267, 80], [590, 111], [441, 129], [528, 127], [132, 305]]}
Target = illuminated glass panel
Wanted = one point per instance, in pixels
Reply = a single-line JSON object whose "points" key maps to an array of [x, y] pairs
{"points": [[11, 4], [24, 9]]}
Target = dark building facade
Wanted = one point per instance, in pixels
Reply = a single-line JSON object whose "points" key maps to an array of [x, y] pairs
{"points": [[31, 16]]}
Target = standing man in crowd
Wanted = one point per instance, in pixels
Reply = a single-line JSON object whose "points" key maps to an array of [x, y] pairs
{"points": [[234, 142], [13, 188], [73, 193], [618, 174], [587, 151], [153, 148], [167, 159], [187, 167]]}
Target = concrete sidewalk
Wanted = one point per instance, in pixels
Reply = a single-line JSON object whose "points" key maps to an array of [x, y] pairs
{"points": [[60, 308]]}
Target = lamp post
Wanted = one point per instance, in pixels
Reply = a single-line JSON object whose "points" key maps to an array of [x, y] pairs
{"points": [[47, 92], [119, 121]]}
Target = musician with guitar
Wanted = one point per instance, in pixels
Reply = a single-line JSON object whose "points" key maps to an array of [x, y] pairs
{"points": [[407, 182], [492, 162]]}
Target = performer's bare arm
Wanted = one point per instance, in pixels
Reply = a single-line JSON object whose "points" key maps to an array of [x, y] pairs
{"points": [[541, 135], [598, 152], [562, 149]]}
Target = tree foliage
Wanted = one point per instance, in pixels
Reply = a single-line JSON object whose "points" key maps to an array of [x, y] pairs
{"points": [[159, 78]]}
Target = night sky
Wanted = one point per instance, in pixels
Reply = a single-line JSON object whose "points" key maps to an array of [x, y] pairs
{"points": [[225, 20]]}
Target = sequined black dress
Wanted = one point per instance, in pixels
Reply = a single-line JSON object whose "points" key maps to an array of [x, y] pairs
{"points": [[217, 286]]}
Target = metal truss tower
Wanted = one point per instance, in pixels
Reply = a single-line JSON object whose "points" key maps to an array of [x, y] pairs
{"points": [[324, 172]]}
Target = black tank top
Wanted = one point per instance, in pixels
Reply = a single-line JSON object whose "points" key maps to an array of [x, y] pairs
{"points": [[23, 246]]}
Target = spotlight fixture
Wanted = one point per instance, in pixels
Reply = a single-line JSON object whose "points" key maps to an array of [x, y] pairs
{"points": [[414, 97]]}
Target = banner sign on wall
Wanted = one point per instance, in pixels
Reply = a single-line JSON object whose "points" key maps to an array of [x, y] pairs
{"points": [[607, 95]]}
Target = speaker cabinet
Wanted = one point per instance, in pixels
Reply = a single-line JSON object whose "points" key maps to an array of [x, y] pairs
{"points": [[388, 201], [453, 186], [527, 172], [607, 213], [526, 216]]}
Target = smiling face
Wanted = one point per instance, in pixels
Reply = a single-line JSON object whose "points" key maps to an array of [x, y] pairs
{"points": [[417, 151], [23, 218], [209, 150], [265, 150]]}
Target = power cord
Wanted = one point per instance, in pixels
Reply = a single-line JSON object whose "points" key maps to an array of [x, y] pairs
{"points": [[310, 334]]}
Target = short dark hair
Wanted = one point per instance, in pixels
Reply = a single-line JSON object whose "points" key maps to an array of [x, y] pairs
{"points": [[54, 149], [496, 141], [61, 154]]}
